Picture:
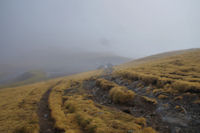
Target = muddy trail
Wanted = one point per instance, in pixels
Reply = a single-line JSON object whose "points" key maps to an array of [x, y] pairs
{"points": [[163, 117], [45, 121]]}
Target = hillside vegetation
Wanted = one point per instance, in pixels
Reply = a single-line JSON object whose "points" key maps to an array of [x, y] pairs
{"points": [[155, 94], [19, 107], [180, 73]]}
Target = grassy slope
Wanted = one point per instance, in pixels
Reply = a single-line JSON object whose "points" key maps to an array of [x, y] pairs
{"points": [[174, 72], [181, 72], [154, 58], [74, 112], [19, 105], [19, 109]]}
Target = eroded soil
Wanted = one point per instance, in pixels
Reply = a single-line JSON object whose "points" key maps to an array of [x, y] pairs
{"points": [[45, 121], [163, 117]]}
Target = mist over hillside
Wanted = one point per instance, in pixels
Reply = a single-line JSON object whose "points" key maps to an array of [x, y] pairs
{"points": [[66, 37], [55, 63]]}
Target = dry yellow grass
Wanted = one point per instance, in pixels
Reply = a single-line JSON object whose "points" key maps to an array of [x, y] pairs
{"points": [[105, 84], [149, 100], [55, 105], [62, 121], [121, 95], [94, 118], [180, 72], [118, 94], [178, 98], [161, 96], [19, 108], [78, 114]]}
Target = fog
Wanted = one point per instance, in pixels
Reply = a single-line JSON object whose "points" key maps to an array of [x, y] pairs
{"points": [[32, 32]]}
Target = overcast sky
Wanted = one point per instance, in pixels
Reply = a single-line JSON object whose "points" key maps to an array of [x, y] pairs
{"points": [[131, 28]]}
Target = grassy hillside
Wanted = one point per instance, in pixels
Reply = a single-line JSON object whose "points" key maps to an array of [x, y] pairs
{"points": [[19, 107], [75, 112], [155, 57], [155, 94], [179, 71]]}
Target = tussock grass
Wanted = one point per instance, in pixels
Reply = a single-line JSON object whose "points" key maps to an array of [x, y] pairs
{"points": [[63, 115], [178, 98], [178, 74], [75, 113], [18, 108], [149, 100], [55, 105], [173, 74], [94, 118], [121, 95], [105, 84], [185, 86], [28, 128], [118, 94], [161, 96]]}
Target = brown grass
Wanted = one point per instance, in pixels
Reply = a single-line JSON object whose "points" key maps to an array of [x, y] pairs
{"points": [[149, 100], [121, 95], [161, 96], [105, 84], [55, 105], [95, 118], [171, 74], [18, 105], [78, 114], [63, 114]]}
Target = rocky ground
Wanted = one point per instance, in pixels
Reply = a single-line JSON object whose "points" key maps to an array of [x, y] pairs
{"points": [[170, 113], [166, 116]]}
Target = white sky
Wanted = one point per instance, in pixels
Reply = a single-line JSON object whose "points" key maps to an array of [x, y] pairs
{"points": [[131, 28]]}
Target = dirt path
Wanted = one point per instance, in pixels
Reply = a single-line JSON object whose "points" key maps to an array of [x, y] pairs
{"points": [[45, 121]]}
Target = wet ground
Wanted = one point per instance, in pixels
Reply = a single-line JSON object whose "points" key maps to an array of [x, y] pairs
{"points": [[45, 121], [163, 117]]}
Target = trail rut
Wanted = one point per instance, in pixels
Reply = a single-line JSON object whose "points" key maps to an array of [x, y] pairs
{"points": [[45, 121]]}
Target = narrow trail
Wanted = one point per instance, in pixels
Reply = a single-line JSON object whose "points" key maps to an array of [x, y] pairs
{"points": [[45, 121]]}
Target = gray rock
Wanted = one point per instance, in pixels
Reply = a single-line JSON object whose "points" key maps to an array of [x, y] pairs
{"points": [[45, 115], [130, 131]]}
